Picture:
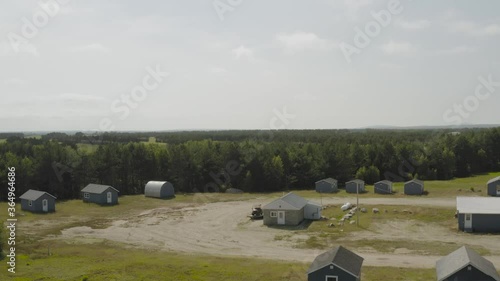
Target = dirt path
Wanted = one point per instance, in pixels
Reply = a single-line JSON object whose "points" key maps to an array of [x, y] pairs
{"points": [[223, 229]]}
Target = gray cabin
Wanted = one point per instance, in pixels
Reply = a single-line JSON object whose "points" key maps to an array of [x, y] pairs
{"points": [[159, 189], [414, 187], [352, 186], [494, 187], [465, 264], [337, 264], [478, 214], [38, 201], [290, 209], [100, 194], [383, 187], [328, 185]]}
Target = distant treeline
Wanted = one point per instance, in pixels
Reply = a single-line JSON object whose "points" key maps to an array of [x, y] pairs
{"points": [[254, 161]]}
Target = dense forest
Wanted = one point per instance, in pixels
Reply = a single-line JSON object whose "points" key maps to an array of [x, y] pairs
{"points": [[254, 161]]}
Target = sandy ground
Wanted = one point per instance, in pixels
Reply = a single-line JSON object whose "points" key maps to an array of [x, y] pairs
{"points": [[223, 229]]}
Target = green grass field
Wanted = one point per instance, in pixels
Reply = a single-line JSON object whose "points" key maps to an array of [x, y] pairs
{"points": [[111, 261]]}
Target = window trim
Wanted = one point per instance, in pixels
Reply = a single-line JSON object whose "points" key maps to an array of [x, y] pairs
{"points": [[336, 278], [86, 195], [273, 214]]}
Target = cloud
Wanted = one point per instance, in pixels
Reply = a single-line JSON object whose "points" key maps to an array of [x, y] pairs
{"points": [[389, 65], [94, 47], [7, 49], [305, 97], [217, 70], [300, 41], [14, 81], [474, 29], [353, 6], [243, 52], [398, 48], [456, 50], [74, 97], [413, 25]]}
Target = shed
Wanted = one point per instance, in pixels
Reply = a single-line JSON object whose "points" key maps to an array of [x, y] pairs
{"points": [[494, 187], [328, 185], [465, 264], [100, 194], [414, 187], [478, 214], [290, 209], [352, 186], [38, 201], [383, 187], [337, 264], [159, 189]]}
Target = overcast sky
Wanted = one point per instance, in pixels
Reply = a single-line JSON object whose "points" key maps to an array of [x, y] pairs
{"points": [[239, 64]]}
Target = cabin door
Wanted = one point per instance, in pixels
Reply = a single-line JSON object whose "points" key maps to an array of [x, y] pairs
{"points": [[45, 205], [468, 221], [109, 197], [281, 217]]}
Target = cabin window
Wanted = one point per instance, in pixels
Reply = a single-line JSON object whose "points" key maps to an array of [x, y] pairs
{"points": [[274, 214], [30, 203], [331, 278], [86, 195]]}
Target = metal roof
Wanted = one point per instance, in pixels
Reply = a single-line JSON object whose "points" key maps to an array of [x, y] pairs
{"points": [[34, 195], [385, 182], [328, 180], [417, 181], [289, 201], [340, 257], [478, 205], [494, 180], [465, 256], [97, 188], [356, 181]]}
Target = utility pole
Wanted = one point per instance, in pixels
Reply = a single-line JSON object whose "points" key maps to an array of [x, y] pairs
{"points": [[357, 204]]}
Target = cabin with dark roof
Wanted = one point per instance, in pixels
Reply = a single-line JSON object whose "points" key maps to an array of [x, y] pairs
{"points": [[100, 194], [328, 185], [383, 187], [494, 187], [38, 201], [465, 264], [414, 187], [337, 264], [355, 186]]}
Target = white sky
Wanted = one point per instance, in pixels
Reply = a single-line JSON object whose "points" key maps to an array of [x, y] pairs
{"points": [[236, 72]]}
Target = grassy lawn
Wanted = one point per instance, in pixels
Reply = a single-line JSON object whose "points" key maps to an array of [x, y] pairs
{"points": [[108, 261], [322, 235]]}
